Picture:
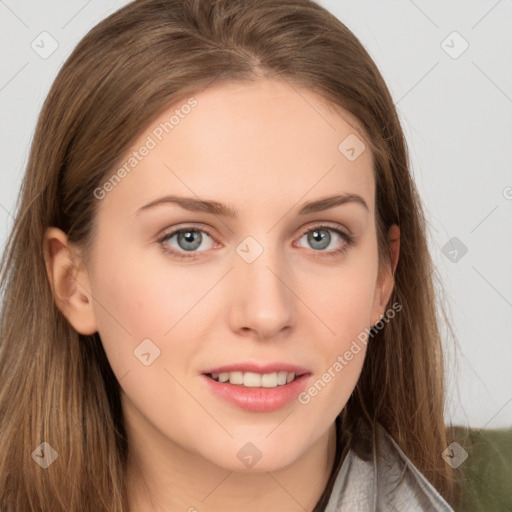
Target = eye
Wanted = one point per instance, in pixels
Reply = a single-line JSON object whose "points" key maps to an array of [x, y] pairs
{"points": [[188, 239], [320, 237]]}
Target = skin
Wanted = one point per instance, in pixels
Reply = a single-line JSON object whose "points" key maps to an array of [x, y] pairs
{"points": [[263, 148]]}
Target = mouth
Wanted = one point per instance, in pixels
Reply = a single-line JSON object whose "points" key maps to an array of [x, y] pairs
{"points": [[254, 379], [257, 388], [253, 375]]}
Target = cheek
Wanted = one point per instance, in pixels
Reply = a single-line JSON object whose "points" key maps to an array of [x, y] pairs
{"points": [[342, 300], [128, 309], [134, 293], [340, 332], [341, 358], [137, 301]]}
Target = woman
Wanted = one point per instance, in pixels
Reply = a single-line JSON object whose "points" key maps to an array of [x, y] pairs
{"points": [[142, 373]]}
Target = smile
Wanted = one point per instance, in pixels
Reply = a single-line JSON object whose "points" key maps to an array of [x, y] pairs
{"points": [[255, 380]]}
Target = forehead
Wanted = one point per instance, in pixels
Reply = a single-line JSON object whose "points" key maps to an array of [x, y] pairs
{"points": [[246, 144]]}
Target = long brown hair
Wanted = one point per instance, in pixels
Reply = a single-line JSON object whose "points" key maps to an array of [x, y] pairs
{"points": [[56, 386]]}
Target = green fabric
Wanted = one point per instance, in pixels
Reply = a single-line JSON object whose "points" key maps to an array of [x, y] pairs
{"points": [[486, 474]]}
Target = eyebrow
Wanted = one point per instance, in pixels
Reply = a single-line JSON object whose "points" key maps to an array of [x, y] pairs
{"points": [[216, 208]]}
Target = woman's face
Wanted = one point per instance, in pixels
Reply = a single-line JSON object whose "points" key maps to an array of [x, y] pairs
{"points": [[274, 289]]}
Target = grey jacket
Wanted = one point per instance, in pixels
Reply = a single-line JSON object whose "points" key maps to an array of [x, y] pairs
{"points": [[385, 483]]}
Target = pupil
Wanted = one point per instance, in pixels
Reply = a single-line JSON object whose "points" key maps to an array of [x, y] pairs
{"points": [[190, 237], [320, 237]]}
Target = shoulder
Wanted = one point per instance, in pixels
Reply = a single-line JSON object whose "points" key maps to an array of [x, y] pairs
{"points": [[387, 481], [486, 473]]}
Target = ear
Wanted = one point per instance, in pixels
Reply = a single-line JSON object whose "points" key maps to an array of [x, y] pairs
{"points": [[386, 279], [69, 284]]}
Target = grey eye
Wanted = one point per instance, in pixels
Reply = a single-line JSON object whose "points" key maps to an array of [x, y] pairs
{"points": [[189, 240], [319, 238]]}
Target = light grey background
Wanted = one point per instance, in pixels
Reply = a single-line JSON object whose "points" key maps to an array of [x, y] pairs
{"points": [[456, 110]]}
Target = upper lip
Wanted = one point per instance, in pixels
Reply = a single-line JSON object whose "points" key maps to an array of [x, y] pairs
{"points": [[259, 368]]}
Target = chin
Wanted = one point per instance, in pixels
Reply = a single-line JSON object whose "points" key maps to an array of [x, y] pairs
{"points": [[258, 456]]}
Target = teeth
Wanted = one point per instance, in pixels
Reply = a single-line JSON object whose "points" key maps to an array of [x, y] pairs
{"points": [[281, 378], [251, 380], [236, 377], [255, 380]]}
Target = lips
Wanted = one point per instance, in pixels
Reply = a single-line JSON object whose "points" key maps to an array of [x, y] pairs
{"points": [[257, 388], [259, 368]]}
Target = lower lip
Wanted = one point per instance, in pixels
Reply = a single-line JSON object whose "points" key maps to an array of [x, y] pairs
{"points": [[258, 399]]}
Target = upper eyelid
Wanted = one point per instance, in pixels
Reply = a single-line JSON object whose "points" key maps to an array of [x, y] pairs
{"points": [[310, 227], [348, 239], [319, 224]]}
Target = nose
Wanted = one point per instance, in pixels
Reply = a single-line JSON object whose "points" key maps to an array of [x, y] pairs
{"points": [[262, 303]]}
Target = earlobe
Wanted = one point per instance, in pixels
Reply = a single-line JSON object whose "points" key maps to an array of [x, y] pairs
{"points": [[386, 279], [394, 245], [69, 284]]}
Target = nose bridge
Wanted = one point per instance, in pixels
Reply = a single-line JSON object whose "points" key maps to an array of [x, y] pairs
{"points": [[263, 263], [263, 300]]}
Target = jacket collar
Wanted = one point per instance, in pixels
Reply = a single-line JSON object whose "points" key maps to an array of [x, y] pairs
{"points": [[385, 481]]}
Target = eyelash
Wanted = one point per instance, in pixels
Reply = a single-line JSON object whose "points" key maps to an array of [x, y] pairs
{"points": [[349, 240]]}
